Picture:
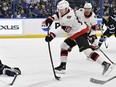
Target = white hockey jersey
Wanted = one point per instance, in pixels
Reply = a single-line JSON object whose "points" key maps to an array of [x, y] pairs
{"points": [[90, 20], [73, 26]]}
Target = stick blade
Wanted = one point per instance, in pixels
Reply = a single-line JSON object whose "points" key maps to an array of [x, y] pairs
{"points": [[13, 80], [97, 81], [57, 78]]}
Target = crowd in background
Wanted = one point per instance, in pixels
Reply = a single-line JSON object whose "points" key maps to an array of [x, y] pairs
{"points": [[44, 8], [107, 6]]}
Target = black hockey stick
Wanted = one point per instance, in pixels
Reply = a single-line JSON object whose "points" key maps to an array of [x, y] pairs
{"points": [[13, 80], [49, 48], [106, 56], [106, 45], [101, 82]]}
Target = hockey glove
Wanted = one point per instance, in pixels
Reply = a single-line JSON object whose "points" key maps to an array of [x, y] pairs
{"points": [[11, 71], [6, 70], [49, 21], [50, 37], [92, 38], [101, 40]]}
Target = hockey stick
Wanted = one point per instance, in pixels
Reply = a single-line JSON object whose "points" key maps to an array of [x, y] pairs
{"points": [[13, 80], [106, 45], [49, 48], [106, 56], [101, 82]]}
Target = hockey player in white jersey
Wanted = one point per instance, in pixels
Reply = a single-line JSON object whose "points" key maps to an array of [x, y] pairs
{"points": [[89, 18], [77, 35], [86, 15]]}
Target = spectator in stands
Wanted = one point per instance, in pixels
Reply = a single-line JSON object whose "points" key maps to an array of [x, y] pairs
{"points": [[1, 15], [45, 8], [4, 8], [106, 7], [113, 9], [23, 14], [96, 9], [36, 12]]}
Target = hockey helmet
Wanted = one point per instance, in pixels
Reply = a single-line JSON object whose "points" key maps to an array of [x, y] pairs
{"points": [[62, 7], [88, 5], [63, 4]]}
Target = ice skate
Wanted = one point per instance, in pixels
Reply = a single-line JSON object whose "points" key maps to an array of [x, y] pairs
{"points": [[61, 69], [107, 68]]}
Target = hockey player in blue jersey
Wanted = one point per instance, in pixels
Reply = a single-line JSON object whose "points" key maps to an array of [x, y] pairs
{"points": [[111, 28]]}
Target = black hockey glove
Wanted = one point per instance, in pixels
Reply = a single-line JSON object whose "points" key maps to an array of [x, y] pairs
{"points": [[6, 70], [92, 38], [11, 71], [49, 21], [50, 37]]}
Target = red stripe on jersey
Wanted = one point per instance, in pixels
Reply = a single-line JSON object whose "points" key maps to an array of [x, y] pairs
{"points": [[79, 33]]}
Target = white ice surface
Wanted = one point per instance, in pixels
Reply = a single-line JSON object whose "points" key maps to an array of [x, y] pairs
{"points": [[32, 57]]}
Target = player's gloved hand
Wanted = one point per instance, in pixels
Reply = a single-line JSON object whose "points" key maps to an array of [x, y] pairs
{"points": [[92, 38], [10, 71], [101, 40], [49, 21], [50, 37]]}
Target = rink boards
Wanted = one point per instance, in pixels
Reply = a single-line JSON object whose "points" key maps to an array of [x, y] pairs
{"points": [[27, 28]]}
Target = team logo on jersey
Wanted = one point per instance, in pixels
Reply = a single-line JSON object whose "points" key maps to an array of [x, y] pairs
{"points": [[68, 17], [44, 27]]}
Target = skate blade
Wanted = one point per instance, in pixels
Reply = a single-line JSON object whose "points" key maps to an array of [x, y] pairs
{"points": [[60, 72], [109, 70]]}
